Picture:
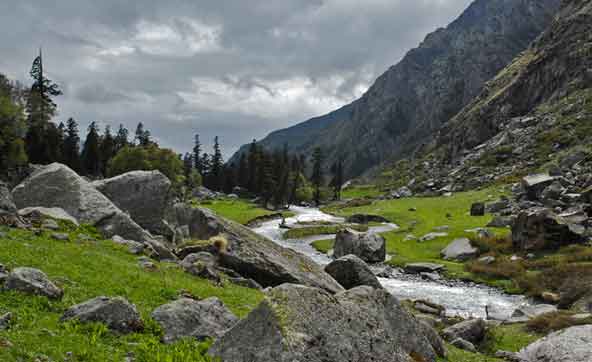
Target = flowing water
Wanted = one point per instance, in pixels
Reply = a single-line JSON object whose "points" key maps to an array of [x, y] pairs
{"points": [[459, 298]]}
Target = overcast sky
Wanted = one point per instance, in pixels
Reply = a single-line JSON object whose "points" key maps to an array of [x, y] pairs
{"points": [[233, 68]]}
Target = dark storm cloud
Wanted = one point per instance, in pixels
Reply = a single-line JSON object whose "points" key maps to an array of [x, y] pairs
{"points": [[232, 68]]}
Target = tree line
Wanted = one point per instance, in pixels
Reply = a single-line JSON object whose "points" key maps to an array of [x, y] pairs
{"points": [[28, 135]]}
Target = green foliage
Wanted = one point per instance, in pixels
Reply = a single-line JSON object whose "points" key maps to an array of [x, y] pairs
{"points": [[302, 232], [241, 211], [146, 158], [86, 269], [551, 322]]}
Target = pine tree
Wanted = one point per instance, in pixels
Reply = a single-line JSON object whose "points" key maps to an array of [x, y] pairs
{"points": [[229, 179], [188, 165], [253, 164], [107, 149], [317, 174], [143, 136], [196, 154], [337, 180], [121, 139], [40, 110], [216, 167], [243, 172], [71, 146], [205, 167], [267, 183], [91, 158], [54, 139]]}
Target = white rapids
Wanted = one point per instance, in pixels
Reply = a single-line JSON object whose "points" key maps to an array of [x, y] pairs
{"points": [[461, 299]]}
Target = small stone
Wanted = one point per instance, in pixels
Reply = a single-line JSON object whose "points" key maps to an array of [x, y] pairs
{"points": [[32, 281], [50, 224], [550, 297], [60, 236], [5, 321], [116, 313], [464, 345], [487, 260]]}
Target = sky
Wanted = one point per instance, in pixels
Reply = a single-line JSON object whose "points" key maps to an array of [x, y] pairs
{"points": [[237, 69]]}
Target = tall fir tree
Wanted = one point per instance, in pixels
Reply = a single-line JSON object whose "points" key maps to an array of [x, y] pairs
{"points": [[243, 172], [91, 157], [216, 167], [40, 110], [107, 149], [253, 165], [121, 139], [143, 136], [197, 154], [317, 174], [337, 178], [71, 145]]}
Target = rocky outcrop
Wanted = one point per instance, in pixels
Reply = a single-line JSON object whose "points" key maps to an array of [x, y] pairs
{"points": [[540, 229], [189, 318], [299, 323], [460, 249], [573, 344], [55, 213], [351, 271], [7, 205], [425, 89], [526, 313], [249, 254], [472, 330], [116, 313], [32, 281], [369, 247], [145, 195], [478, 209], [57, 185]]}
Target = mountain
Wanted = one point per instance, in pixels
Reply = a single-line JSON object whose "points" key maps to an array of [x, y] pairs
{"points": [[429, 86], [557, 65]]}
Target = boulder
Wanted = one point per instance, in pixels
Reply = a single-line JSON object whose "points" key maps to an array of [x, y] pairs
{"points": [[478, 209], [404, 192], [186, 317], [542, 229], [7, 205], [472, 330], [54, 213], [497, 206], [526, 313], [144, 195], [5, 321], [369, 247], [351, 271], [535, 184], [433, 236], [32, 281], [460, 249], [57, 185], [365, 219], [583, 304], [553, 191], [160, 251], [500, 222], [116, 313], [299, 323], [572, 344], [203, 193], [416, 268], [251, 255], [464, 345]]}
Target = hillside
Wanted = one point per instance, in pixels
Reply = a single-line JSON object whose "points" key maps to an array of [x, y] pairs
{"points": [[428, 87]]}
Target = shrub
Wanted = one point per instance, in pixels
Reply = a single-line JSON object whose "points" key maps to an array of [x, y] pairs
{"points": [[495, 244], [554, 321], [501, 269]]}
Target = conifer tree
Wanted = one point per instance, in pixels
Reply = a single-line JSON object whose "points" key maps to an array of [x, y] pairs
{"points": [[91, 158], [317, 174], [143, 136], [243, 172], [216, 167], [253, 164], [337, 180], [107, 149], [197, 154], [71, 145], [121, 139]]}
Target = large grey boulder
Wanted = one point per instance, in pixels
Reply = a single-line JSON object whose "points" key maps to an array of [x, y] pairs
{"points": [[7, 205], [185, 317], [534, 185], [116, 313], [526, 313], [351, 271], [55, 213], [56, 185], [459, 249], [416, 268], [472, 330], [251, 255], [369, 247], [32, 281], [573, 344], [299, 323], [541, 229], [145, 195]]}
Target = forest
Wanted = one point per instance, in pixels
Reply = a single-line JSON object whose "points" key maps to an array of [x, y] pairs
{"points": [[29, 135]]}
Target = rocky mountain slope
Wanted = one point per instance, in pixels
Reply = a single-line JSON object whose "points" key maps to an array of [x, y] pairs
{"points": [[427, 88]]}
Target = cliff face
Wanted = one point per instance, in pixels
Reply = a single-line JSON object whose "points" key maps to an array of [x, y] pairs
{"points": [[556, 65], [410, 101]]}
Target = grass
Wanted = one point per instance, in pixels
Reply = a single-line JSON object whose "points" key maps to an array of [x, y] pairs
{"points": [[303, 232], [551, 322], [431, 212], [89, 269], [361, 191], [239, 210], [323, 246]]}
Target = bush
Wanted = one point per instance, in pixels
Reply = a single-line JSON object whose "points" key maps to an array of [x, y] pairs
{"points": [[501, 269], [495, 244], [147, 158]]}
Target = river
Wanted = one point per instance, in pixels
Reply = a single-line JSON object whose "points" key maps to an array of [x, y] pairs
{"points": [[459, 298]]}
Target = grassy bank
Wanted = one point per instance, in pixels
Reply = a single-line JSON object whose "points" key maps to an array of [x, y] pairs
{"points": [[87, 269], [418, 216], [239, 210]]}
